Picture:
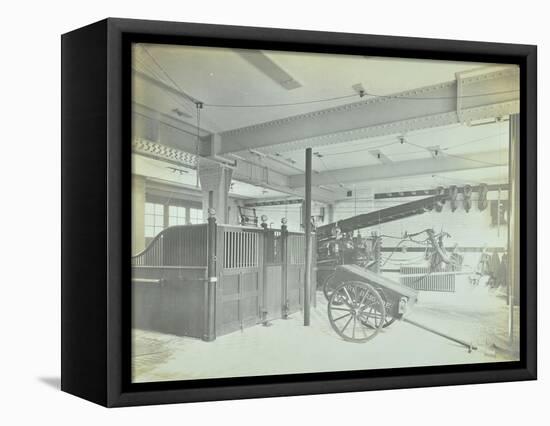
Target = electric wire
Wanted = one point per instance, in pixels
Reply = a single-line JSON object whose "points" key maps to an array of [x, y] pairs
{"points": [[287, 104], [372, 95], [195, 101], [458, 156], [150, 71], [329, 173], [167, 75], [313, 101]]}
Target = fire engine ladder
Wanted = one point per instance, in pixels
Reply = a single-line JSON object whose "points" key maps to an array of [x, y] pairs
{"points": [[379, 217]]}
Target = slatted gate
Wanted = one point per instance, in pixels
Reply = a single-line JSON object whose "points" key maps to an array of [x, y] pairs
{"points": [[420, 278], [239, 278], [295, 273], [259, 276]]}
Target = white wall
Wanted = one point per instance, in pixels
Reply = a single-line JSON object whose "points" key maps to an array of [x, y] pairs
{"points": [[31, 339]]}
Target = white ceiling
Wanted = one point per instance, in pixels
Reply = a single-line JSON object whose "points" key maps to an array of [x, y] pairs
{"points": [[222, 76], [453, 140]]}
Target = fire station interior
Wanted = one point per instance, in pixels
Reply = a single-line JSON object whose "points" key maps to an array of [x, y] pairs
{"points": [[294, 184]]}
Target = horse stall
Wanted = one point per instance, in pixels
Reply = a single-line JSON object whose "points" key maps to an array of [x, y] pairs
{"points": [[208, 280]]}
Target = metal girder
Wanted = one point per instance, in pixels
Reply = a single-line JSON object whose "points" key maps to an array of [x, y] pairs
{"points": [[469, 97], [380, 156], [255, 174], [401, 169], [244, 171], [269, 68]]}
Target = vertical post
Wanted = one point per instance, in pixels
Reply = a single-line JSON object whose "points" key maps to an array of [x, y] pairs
{"points": [[330, 213], [266, 234], [307, 228], [210, 305], [284, 269]]}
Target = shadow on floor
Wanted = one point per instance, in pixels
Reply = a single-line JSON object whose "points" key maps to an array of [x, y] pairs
{"points": [[54, 382]]}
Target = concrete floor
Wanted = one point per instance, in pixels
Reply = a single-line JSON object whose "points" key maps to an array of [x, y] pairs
{"points": [[474, 314]]}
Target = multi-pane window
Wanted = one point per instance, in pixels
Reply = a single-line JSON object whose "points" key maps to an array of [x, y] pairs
{"points": [[176, 215], [154, 219], [195, 216]]}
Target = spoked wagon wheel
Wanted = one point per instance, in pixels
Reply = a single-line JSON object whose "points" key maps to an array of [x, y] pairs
{"points": [[330, 285], [356, 311], [390, 319]]}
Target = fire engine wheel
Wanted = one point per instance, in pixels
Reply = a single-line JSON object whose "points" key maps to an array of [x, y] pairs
{"points": [[356, 311], [330, 285], [390, 319]]}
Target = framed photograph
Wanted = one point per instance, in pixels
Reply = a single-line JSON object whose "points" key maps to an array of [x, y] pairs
{"points": [[254, 212]]}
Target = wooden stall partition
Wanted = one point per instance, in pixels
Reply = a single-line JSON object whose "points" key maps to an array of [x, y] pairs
{"points": [[273, 295], [240, 276], [169, 300], [295, 249], [256, 275], [168, 283], [295, 272]]}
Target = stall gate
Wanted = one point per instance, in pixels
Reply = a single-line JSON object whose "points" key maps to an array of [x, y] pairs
{"points": [[259, 276], [168, 277], [273, 278], [295, 274], [240, 276]]}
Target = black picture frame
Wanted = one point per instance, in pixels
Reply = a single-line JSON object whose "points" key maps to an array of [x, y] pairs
{"points": [[96, 77]]}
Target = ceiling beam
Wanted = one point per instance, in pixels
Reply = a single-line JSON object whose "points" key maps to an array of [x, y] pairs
{"points": [[380, 156], [170, 140], [401, 169], [269, 68], [260, 175], [472, 96]]}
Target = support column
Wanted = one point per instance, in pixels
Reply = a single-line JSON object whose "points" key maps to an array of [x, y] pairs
{"points": [[330, 213], [307, 229], [215, 180], [138, 214], [210, 291], [284, 258]]}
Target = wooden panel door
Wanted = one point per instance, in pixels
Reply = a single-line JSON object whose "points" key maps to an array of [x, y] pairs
{"points": [[239, 301]]}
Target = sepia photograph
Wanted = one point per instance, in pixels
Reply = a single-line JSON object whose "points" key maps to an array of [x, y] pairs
{"points": [[303, 212]]}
